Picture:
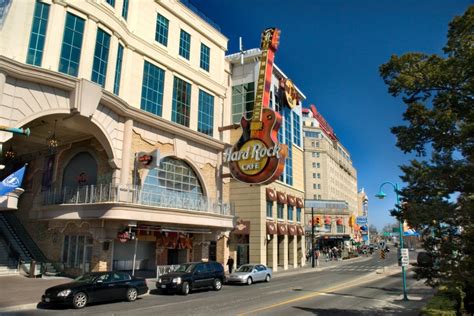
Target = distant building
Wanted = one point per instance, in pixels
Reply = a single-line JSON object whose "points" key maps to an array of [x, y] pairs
{"points": [[363, 210], [331, 178]]}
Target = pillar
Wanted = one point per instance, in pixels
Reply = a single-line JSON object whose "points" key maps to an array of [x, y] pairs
{"points": [[292, 252], [272, 252], [283, 251]]}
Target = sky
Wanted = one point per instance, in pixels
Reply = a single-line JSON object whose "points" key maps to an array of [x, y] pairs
{"points": [[332, 50]]}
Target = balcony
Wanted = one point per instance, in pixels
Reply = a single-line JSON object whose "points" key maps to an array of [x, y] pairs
{"points": [[108, 193]]}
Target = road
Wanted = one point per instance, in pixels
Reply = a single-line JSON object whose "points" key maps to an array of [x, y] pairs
{"points": [[349, 288]]}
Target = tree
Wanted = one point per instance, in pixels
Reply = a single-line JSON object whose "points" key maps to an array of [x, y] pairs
{"points": [[439, 98]]}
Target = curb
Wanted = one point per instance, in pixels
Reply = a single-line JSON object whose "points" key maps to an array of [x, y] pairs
{"points": [[16, 308]]}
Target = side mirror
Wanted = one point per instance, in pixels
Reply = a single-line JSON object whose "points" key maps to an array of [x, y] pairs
{"points": [[254, 270]]}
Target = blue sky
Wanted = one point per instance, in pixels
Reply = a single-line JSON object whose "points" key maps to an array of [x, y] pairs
{"points": [[332, 49]]}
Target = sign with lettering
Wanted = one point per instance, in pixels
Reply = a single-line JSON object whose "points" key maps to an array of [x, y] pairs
{"points": [[405, 257], [361, 220], [258, 157]]}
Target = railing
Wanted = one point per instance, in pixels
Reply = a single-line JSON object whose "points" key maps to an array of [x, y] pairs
{"points": [[108, 193], [160, 270]]}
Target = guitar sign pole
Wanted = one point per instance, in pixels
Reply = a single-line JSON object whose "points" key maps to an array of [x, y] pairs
{"points": [[258, 157]]}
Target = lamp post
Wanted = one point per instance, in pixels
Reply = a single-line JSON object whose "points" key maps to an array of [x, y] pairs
{"points": [[382, 195]]}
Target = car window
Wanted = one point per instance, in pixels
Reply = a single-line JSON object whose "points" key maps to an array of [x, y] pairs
{"points": [[260, 268], [217, 267], [106, 277], [245, 268], [200, 268], [187, 267], [120, 277]]}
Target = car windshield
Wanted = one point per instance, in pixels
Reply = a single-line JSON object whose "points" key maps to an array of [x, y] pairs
{"points": [[188, 267], [245, 269], [86, 278]]}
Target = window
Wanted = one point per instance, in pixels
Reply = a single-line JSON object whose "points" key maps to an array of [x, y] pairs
{"points": [[111, 2], [101, 56], [173, 175], [181, 102], [319, 197], [296, 129], [298, 214], [280, 211], [318, 165], [340, 228], [314, 165], [317, 144], [269, 209], [327, 227], [152, 89], [72, 43], [77, 252], [205, 57], [161, 33], [314, 175], [288, 141], [38, 33], [118, 69], [319, 186], [315, 155], [311, 134], [290, 213], [184, 44], [243, 97], [318, 175], [314, 186], [206, 113], [125, 9]]}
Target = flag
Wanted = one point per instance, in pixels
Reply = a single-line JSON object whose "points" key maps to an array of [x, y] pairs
{"points": [[12, 182]]}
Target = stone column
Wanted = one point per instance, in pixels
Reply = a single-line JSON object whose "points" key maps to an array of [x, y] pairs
{"points": [[112, 61], [167, 95], [272, 259], [194, 107], [292, 252], [88, 48], [283, 251], [126, 152], [53, 42]]}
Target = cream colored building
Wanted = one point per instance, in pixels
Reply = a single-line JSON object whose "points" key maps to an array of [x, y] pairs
{"points": [[110, 82], [329, 176], [271, 216]]}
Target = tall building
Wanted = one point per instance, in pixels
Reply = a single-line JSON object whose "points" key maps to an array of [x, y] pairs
{"points": [[331, 178], [124, 100], [363, 211], [270, 217]]}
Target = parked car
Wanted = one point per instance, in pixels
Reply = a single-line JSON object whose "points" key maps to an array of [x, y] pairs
{"points": [[96, 287], [249, 273], [191, 276]]}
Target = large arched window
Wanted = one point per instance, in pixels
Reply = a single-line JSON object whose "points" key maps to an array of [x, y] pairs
{"points": [[80, 170], [173, 175]]}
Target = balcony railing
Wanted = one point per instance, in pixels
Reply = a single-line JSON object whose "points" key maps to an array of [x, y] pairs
{"points": [[109, 193]]}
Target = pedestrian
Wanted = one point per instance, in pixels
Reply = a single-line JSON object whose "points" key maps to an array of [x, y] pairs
{"points": [[230, 264]]}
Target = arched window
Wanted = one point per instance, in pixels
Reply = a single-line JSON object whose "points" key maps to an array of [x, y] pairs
{"points": [[80, 170], [173, 175]]}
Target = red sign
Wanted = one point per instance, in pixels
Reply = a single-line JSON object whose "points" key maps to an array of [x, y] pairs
{"points": [[258, 157], [123, 236]]}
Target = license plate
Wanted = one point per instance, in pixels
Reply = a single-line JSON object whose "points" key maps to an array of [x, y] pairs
{"points": [[163, 286], [47, 299]]}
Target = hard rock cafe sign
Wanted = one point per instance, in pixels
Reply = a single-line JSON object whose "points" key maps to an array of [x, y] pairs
{"points": [[258, 157]]}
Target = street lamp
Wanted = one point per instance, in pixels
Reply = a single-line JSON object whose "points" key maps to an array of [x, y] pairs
{"points": [[381, 195]]}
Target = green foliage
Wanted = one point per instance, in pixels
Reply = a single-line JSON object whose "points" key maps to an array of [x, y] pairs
{"points": [[446, 302], [439, 94]]}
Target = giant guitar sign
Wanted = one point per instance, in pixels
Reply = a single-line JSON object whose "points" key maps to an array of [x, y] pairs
{"points": [[258, 157]]}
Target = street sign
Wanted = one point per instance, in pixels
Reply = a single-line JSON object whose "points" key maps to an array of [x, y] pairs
{"points": [[361, 220], [405, 258]]}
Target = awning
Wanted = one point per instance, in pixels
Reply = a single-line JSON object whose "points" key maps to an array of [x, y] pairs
{"points": [[242, 227], [339, 221], [291, 200], [292, 230], [271, 194], [299, 203], [271, 228], [282, 229], [281, 197], [327, 220]]}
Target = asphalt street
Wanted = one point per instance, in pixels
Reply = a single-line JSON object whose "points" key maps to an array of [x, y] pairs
{"points": [[350, 288]]}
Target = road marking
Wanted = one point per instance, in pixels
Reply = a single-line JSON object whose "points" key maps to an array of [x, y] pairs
{"points": [[326, 291]]}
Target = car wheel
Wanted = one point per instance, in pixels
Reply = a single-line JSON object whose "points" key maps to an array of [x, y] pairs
{"points": [[132, 294], [79, 300], [249, 281], [185, 289], [217, 284], [267, 278]]}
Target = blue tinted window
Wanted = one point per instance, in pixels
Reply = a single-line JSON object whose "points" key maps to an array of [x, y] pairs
{"points": [[298, 214], [290, 212], [181, 102], [296, 129], [118, 69], [206, 113], [161, 34], [288, 141], [184, 44], [38, 33], [152, 89], [280, 210], [111, 2], [205, 57], [101, 57], [125, 9], [269, 209], [72, 44]]}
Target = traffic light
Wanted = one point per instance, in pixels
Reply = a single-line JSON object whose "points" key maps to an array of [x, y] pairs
{"points": [[318, 221], [382, 254]]}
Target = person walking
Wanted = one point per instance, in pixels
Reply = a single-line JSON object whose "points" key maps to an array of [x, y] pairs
{"points": [[230, 264]]}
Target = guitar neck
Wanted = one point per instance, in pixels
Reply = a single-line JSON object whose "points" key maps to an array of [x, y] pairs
{"points": [[262, 98]]}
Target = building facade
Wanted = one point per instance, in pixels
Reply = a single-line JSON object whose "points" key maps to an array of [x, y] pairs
{"points": [[363, 211], [124, 100], [331, 178], [270, 217]]}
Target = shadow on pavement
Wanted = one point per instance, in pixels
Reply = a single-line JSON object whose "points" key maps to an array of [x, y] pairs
{"points": [[348, 312], [58, 307]]}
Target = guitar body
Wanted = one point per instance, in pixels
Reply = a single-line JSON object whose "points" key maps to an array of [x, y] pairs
{"points": [[270, 168]]}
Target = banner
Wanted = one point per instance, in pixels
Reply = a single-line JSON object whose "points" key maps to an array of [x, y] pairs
{"points": [[12, 182]]}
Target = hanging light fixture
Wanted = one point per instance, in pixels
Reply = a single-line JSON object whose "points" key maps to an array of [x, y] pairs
{"points": [[52, 141], [10, 154]]}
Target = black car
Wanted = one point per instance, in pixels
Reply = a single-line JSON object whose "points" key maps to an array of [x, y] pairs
{"points": [[96, 287], [192, 275]]}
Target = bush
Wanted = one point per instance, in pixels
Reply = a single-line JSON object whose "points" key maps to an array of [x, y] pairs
{"points": [[444, 303]]}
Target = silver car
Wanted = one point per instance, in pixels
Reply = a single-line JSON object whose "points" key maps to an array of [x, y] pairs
{"points": [[249, 273]]}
